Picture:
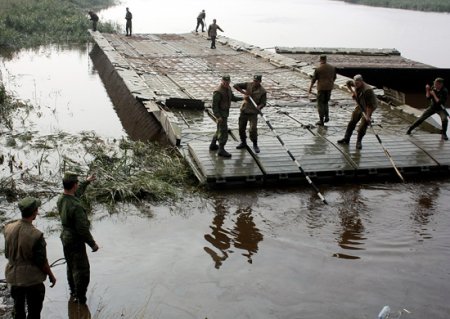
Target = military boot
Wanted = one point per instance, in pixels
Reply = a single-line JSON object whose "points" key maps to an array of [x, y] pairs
{"points": [[222, 151], [242, 145], [255, 147], [444, 130], [213, 146], [359, 142]]}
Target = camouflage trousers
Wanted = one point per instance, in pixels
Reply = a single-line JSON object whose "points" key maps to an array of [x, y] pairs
{"points": [[245, 118], [222, 131], [78, 270]]}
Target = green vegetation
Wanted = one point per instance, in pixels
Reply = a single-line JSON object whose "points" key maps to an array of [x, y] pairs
{"points": [[25, 23], [420, 5]]}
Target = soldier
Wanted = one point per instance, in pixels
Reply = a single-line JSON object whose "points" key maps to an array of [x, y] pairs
{"points": [[128, 26], [27, 267], [366, 104], [249, 113], [222, 98], [437, 95], [212, 33], [324, 74], [75, 234], [201, 21], [94, 19]]}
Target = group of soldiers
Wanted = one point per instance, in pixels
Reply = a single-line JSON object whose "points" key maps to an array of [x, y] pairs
{"points": [[255, 98], [25, 249], [128, 26]]}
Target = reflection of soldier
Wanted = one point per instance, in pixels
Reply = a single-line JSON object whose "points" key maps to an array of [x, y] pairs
{"points": [[128, 26], [94, 19], [218, 237], [222, 98], [249, 113], [246, 234], [75, 234], [27, 267]]}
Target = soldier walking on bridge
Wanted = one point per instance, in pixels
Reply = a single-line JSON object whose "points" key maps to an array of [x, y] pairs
{"points": [[212, 33], [249, 112], [94, 19], [437, 95], [128, 26], [201, 21], [324, 74], [222, 98], [366, 104]]}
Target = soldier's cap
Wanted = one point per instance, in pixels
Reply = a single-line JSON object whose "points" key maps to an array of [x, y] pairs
{"points": [[440, 80], [70, 177], [226, 78], [358, 77], [257, 77], [323, 57], [28, 205]]}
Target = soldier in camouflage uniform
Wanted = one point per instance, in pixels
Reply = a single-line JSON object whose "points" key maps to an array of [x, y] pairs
{"points": [[27, 267], [75, 235], [249, 112], [222, 98]]}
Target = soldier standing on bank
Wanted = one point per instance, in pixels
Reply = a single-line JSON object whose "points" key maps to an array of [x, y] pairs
{"points": [[325, 75], [94, 19], [27, 267], [75, 235], [437, 95], [222, 98], [249, 113], [366, 104], [212, 33], [201, 21], [128, 26]]}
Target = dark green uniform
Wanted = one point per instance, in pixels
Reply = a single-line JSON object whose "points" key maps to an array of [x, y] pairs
{"points": [[366, 99], [222, 98], [249, 113], [75, 234], [324, 74]]}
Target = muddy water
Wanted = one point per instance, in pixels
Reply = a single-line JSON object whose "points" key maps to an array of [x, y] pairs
{"points": [[259, 253]]}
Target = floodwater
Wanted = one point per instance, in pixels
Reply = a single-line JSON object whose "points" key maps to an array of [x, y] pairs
{"points": [[258, 253]]}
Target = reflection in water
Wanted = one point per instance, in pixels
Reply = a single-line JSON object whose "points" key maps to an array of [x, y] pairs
{"points": [[424, 209], [351, 235], [78, 311], [244, 235]]}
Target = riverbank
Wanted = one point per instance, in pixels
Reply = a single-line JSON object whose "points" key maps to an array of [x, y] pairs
{"points": [[32, 23], [417, 5]]}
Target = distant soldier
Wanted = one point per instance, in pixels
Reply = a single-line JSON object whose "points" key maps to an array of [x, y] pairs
{"points": [[437, 95], [222, 98], [201, 21], [249, 112], [212, 33], [324, 74], [27, 267], [94, 19], [366, 104], [75, 235], [128, 26]]}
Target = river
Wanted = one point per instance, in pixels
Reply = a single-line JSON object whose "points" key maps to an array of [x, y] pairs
{"points": [[258, 253]]}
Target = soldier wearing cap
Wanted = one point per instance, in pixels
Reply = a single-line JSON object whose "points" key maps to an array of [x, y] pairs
{"points": [[222, 98], [249, 112], [325, 75], [75, 235], [212, 33], [27, 267], [437, 95], [201, 21], [366, 104]]}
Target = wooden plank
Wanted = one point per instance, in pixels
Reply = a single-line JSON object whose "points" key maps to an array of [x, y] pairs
{"points": [[433, 145]]}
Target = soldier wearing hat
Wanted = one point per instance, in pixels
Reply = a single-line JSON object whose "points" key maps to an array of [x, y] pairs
{"points": [[222, 98], [27, 267], [75, 235], [325, 75], [249, 112], [437, 95], [212, 33], [366, 104]]}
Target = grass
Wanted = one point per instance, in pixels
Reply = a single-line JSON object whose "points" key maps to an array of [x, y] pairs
{"points": [[422, 5], [28, 23]]}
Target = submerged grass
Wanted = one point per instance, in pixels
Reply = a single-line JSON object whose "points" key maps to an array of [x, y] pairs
{"points": [[27, 23]]}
